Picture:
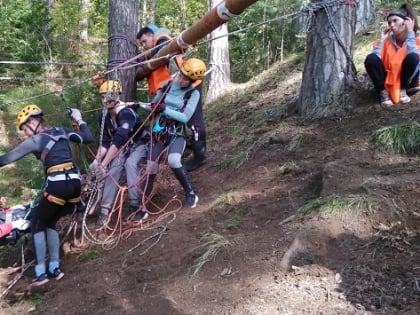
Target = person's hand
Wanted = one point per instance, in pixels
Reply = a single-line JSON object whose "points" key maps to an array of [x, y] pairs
{"points": [[94, 165], [98, 78], [76, 115], [409, 24], [158, 107], [101, 173], [21, 224]]}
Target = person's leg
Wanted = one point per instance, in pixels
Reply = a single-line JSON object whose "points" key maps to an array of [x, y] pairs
{"points": [[410, 71], [133, 173], [65, 190], [43, 213], [110, 188], [376, 71], [176, 149], [199, 134]]}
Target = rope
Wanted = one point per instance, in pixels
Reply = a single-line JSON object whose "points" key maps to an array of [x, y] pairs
{"points": [[75, 64]]}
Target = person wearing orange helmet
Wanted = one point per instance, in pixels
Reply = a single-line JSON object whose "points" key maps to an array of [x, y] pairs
{"points": [[174, 105], [62, 187], [123, 146]]}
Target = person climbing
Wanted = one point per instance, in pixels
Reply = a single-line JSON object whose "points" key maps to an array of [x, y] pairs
{"points": [[174, 105], [393, 65], [153, 39], [62, 187], [121, 125]]}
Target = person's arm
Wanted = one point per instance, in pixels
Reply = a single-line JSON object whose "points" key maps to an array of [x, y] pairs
{"points": [[30, 145], [162, 42], [188, 110], [411, 37]]}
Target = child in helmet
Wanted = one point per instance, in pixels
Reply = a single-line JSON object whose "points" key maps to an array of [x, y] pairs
{"points": [[61, 193], [174, 104]]}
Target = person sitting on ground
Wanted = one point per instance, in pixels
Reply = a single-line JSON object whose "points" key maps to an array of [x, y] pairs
{"points": [[174, 105], [61, 193], [393, 65], [121, 125]]}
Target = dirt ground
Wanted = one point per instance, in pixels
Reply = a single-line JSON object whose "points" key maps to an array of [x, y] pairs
{"points": [[274, 259]]}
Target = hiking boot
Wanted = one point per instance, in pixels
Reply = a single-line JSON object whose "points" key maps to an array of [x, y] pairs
{"points": [[413, 90], [140, 216], [57, 274], [100, 223], [194, 163], [404, 98], [385, 99], [40, 280], [191, 200]]}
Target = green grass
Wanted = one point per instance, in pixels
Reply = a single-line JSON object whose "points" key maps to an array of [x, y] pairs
{"points": [[337, 204], [212, 243], [295, 142], [400, 138], [89, 255]]}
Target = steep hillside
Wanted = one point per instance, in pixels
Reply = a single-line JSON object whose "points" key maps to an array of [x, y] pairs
{"points": [[305, 217]]}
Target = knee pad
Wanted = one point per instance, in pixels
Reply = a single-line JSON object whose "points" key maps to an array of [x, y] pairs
{"points": [[174, 160]]}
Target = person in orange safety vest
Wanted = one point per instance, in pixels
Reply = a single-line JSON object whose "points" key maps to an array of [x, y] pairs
{"points": [[393, 65]]}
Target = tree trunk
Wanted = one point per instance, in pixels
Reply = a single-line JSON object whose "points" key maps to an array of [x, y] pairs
{"points": [[328, 67], [365, 15], [219, 76], [83, 23], [123, 15]]}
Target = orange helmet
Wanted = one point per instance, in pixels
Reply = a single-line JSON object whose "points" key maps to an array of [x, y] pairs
{"points": [[194, 69], [26, 112], [110, 86]]}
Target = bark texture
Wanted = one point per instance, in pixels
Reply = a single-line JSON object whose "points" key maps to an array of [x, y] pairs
{"points": [[122, 46], [328, 67]]}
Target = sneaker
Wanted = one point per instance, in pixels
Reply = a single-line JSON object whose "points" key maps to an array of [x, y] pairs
{"points": [[385, 99], [57, 274], [100, 223], [404, 98], [191, 200], [140, 216], [40, 280]]}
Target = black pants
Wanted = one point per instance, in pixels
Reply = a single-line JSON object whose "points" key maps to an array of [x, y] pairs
{"points": [[409, 72]]}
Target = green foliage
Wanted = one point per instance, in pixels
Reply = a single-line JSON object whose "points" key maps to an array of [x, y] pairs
{"points": [[89, 255], [22, 32], [212, 243], [295, 143], [337, 204], [259, 47], [401, 138]]}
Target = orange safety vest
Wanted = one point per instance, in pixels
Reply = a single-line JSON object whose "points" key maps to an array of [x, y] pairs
{"points": [[161, 74], [392, 60]]}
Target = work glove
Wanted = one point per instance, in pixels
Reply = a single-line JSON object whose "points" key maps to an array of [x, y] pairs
{"points": [[158, 107], [21, 224], [94, 165], [76, 115]]}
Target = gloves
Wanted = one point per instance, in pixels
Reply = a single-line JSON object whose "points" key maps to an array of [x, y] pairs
{"points": [[94, 165], [21, 224], [76, 115], [158, 107]]}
